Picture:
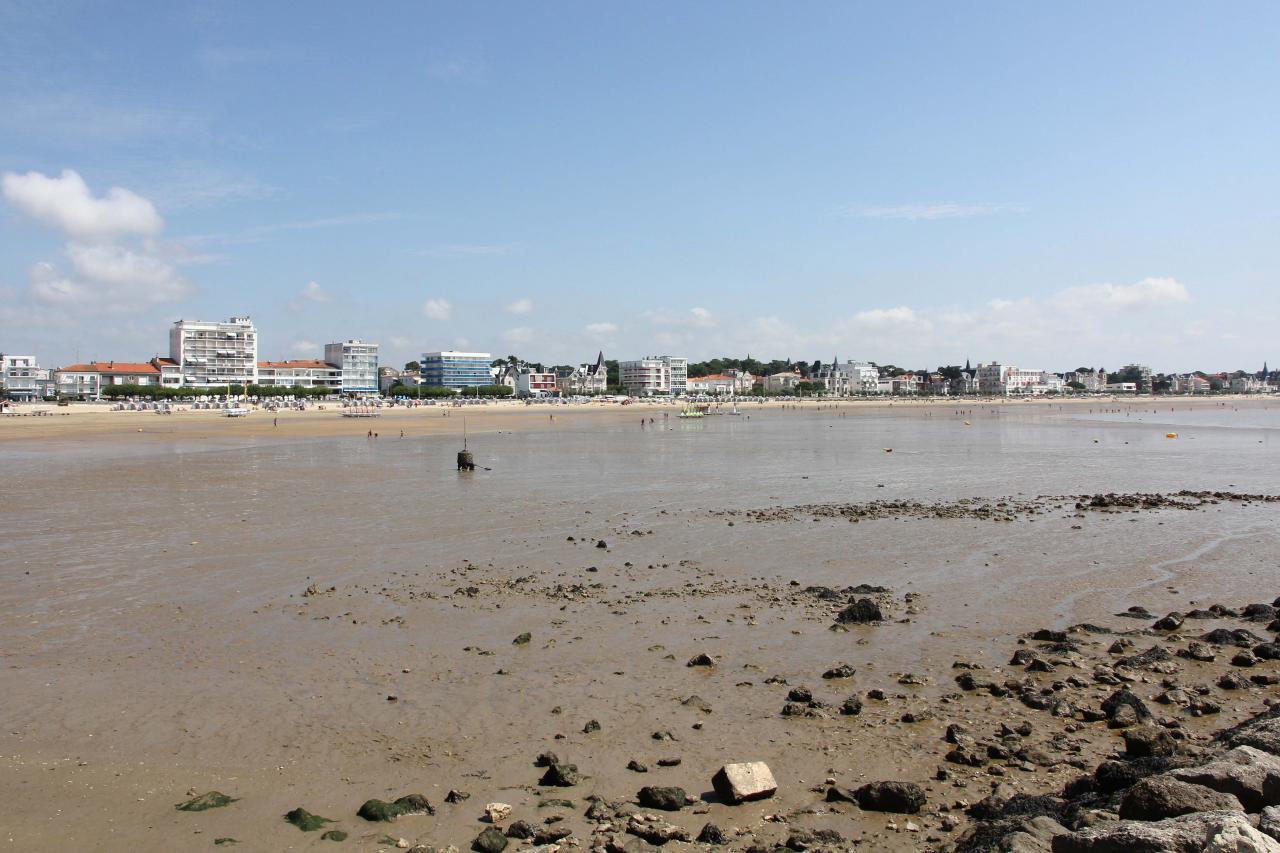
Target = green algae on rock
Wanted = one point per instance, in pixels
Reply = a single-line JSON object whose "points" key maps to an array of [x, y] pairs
{"points": [[305, 820], [334, 835], [380, 810], [208, 800]]}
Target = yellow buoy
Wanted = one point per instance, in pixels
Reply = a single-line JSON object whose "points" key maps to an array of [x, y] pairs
{"points": [[1170, 435]]}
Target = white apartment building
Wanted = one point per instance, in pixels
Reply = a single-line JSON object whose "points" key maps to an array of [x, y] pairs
{"points": [[716, 384], [654, 374], [359, 364], [785, 381], [23, 378], [215, 353], [534, 383], [306, 373], [852, 377], [1005, 380]]}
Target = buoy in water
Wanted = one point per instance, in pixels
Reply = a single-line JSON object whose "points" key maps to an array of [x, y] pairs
{"points": [[465, 461], [888, 450], [1170, 435]]}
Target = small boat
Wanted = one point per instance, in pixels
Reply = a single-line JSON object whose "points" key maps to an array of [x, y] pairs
{"points": [[235, 412], [360, 412], [691, 412]]}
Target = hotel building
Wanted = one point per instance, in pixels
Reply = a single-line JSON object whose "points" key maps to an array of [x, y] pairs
{"points": [[456, 370], [215, 353]]}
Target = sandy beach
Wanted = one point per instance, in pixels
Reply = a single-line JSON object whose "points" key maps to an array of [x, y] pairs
{"points": [[299, 616]]}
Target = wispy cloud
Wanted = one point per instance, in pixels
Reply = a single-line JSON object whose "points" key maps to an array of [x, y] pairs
{"points": [[520, 306], [696, 317], [315, 293], [599, 330], [454, 67], [262, 232], [437, 309], [519, 335], [936, 210], [455, 250]]}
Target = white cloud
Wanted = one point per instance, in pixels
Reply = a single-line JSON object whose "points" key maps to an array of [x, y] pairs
{"points": [[520, 306], [1147, 292], [518, 335], [600, 329], [315, 293], [936, 210], [306, 349], [900, 317], [437, 309], [696, 317], [115, 263], [65, 203]]}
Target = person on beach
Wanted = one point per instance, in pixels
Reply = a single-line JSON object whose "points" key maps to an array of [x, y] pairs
{"points": [[275, 422]]}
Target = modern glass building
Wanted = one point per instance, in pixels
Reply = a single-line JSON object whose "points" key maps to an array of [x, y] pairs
{"points": [[359, 363], [456, 369]]}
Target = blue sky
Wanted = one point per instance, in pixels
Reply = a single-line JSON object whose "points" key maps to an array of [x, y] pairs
{"points": [[1050, 185]]}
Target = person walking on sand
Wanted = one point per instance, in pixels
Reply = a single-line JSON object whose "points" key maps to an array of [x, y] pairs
{"points": [[402, 433], [275, 422], [370, 435]]}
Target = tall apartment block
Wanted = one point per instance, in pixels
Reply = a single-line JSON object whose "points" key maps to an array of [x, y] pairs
{"points": [[215, 353], [359, 363]]}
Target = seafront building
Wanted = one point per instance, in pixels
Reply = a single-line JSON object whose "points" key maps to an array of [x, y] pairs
{"points": [[24, 378], [87, 381], [787, 380], [654, 375], [586, 378], [852, 377], [215, 353], [358, 362], [536, 383], [457, 370], [1007, 380], [303, 373]]}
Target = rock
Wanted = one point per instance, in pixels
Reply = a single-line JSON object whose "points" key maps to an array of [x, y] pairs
{"points": [[656, 831], [1172, 622], [1203, 832], [522, 639], [305, 820], [546, 759], [1263, 734], [1143, 741], [861, 612], [1123, 717], [1112, 776], [489, 841], [1259, 613], [698, 703], [799, 694], [1267, 651], [1244, 659], [1160, 797], [898, 797], [851, 707], [338, 835], [206, 801], [521, 829], [378, 810], [561, 776], [711, 834], [737, 783], [701, 659], [1224, 637], [1252, 775], [550, 835], [1233, 681], [1125, 698], [636, 767], [839, 671], [455, 796], [591, 726], [802, 839], [1153, 655], [838, 794], [1197, 651], [497, 812], [1269, 822], [668, 799]]}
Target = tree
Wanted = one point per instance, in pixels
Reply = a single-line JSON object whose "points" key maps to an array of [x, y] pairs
{"points": [[1079, 386], [950, 371], [412, 366]]}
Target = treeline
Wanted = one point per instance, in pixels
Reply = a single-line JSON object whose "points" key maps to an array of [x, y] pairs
{"points": [[426, 392], [156, 392]]}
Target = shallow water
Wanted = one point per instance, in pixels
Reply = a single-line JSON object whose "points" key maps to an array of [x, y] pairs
{"points": [[156, 629]]}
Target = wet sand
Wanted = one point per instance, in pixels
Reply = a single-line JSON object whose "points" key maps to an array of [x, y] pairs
{"points": [[159, 639]]}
